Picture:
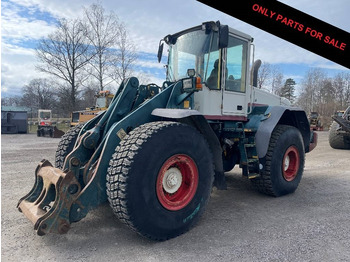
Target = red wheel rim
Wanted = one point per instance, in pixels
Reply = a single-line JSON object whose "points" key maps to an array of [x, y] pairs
{"points": [[290, 163], [177, 182]]}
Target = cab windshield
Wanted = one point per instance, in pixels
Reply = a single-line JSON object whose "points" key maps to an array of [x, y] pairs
{"points": [[45, 115], [193, 50], [101, 102]]}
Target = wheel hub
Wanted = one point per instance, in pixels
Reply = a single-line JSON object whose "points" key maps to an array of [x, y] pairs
{"points": [[291, 163], [172, 180], [177, 182], [286, 163]]}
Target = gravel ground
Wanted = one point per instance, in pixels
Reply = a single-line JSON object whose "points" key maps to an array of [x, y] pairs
{"points": [[239, 224]]}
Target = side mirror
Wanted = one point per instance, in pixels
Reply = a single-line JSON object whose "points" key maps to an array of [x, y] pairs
{"points": [[160, 52], [223, 36]]}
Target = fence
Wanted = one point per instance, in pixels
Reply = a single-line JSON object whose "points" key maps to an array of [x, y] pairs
{"points": [[61, 123]]}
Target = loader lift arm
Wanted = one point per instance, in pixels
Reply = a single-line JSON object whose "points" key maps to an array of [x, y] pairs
{"points": [[60, 197], [344, 123]]}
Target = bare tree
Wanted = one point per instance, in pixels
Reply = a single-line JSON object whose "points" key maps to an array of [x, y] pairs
{"points": [[341, 84], [88, 95], [270, 77], [39, 94], [277, 80], [102, 33], [126, 56], [11, 101], [339, 88], [327, 103], [264, 75], [311, 89], [347, 88], [64, 54]]}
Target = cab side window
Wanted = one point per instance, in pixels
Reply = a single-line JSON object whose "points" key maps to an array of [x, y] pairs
{"points": [[236, 65], [212, 80]]}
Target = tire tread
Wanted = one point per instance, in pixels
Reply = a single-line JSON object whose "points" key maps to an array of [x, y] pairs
{"points": [[119, 166], [66, 144], [264, 183]]}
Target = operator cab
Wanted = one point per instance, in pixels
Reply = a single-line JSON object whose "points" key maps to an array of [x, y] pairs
{"points": [[220, 57]]}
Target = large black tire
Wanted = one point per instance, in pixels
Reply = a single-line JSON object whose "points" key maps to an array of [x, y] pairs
{"points": [[160, 178], [284, 162], [51, 132], [66, 144], [337, 140], [40, 132]]}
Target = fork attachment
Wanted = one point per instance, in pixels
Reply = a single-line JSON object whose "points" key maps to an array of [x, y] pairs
{"points": [[49, 202]]}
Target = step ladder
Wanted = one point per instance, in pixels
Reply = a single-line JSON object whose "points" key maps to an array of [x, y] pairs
{"points": [[249, 156]]}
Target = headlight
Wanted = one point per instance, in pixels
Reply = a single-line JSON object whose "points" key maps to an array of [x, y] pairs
{"points": [[187, 84]]}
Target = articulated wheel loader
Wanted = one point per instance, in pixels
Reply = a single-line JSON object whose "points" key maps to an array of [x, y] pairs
{"points": [[157, 151]]}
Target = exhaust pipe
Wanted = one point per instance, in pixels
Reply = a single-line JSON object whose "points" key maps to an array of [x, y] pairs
{"points": [[254, 73]]}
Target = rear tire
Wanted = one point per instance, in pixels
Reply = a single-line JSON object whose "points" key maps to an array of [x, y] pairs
{"points": [[51, 132], [284, 162], [160, 178], [336, 140], [66, 144]]}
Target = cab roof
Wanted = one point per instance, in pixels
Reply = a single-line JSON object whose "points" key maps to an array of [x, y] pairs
{"points": [[211, 25]]}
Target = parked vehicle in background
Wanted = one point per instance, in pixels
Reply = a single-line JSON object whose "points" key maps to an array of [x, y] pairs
{"points": [[103, 100], [339, 133], [46, 126], [315, 121]]}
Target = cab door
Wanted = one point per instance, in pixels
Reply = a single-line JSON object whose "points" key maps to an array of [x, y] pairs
{"points": [[234, 77]]}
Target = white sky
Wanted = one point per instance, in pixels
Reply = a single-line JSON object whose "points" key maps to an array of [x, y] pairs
{"points": [[147, 22]]}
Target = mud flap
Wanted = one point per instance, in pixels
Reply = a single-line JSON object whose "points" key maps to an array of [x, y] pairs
{"points": [[48, 204], [313, 141]]}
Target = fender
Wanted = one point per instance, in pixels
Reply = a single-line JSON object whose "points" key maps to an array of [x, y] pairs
{"points": [[198, 121], [175, 113], [274, 115]]}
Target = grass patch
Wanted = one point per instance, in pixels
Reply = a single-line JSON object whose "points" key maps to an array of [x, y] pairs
{"points": [[32, 128]]}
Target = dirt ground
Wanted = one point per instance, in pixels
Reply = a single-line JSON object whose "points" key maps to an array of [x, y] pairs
{"points": [[313, 224]]}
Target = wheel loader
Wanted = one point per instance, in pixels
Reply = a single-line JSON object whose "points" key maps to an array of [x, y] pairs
{"points": [[157, 151], [315, 121], [103, 99]]}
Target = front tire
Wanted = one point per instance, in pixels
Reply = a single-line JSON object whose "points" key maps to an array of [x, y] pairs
{"points": [[337, 140], [284, 162], [66, 144], [160, 178]]}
